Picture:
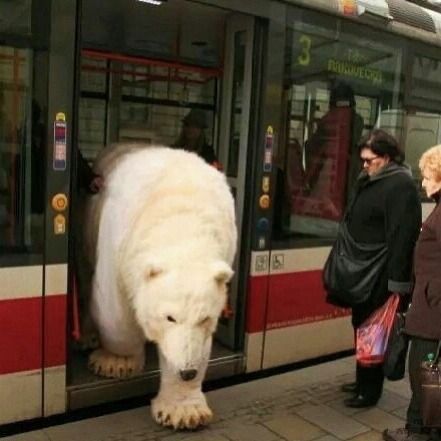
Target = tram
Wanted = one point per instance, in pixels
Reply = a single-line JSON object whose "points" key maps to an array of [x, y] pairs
{"points": [[288, 87]]}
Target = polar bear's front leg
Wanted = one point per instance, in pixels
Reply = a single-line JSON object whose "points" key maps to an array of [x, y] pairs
{"points": [[180, 404], [107, 364]]}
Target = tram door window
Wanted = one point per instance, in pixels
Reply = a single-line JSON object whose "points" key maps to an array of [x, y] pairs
{"points": [[21, 154], [339, 83]]}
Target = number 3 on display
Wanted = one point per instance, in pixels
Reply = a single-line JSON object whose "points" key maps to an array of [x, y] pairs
{"points": [[305, 56]]}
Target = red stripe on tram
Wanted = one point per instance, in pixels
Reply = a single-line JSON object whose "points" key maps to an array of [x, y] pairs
{"points": [[21, 333], [290, 299], [299, 298], [55, 330]]}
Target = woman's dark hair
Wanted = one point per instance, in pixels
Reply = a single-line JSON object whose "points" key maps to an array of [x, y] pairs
{"points": [[382, 144]]}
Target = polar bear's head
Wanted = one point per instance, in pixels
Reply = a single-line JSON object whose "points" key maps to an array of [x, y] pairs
{"points": [[178, 308]]}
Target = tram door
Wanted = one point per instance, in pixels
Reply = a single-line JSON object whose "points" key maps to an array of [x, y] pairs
{"points": [[233, 137], [36, 83]]}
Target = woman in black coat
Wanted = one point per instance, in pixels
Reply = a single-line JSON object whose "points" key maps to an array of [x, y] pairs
{"points": [[423, 320], [385, 209]]}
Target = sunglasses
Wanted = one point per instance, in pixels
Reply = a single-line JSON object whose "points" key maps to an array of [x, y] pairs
{"points": [[368, 161]]}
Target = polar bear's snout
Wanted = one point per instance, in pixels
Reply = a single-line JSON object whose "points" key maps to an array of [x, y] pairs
{"points": [[188, 374]]}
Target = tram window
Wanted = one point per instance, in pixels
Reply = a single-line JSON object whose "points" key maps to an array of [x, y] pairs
{"points": [[22, 158], [338, 85], [426, 83], [155, 123], [92, 108], [141, 102], [422, 120], [167, 83], [93, 75], [422, 131], [92, 126]]}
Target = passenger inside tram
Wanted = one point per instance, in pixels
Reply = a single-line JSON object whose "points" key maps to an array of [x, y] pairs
{"points": [[87, 178], [193, 137], [320, 176]]}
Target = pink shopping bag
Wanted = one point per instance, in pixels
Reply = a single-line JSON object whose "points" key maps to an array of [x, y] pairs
{"points": [[373, 334]]}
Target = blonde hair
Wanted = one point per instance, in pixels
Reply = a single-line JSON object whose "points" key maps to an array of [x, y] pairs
{"points": [[431, 161]]}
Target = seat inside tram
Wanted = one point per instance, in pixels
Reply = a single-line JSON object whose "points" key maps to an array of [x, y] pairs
{"points": [[142, 70]]}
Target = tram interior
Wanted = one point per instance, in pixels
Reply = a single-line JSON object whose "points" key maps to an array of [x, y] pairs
{"points": [[143, 68]]}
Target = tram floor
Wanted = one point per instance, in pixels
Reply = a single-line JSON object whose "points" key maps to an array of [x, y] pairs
{"points": [[300, 405], [87, 389]]}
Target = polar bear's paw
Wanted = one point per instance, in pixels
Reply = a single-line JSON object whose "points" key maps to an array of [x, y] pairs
{"points": [[102, 362], [181, 415]]}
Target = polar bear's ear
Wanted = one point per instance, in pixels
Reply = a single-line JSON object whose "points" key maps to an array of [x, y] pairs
{"points": [[153, 270], [222, 272]]}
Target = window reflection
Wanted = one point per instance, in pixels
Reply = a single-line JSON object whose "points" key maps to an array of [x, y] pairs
{"points": [[22, 158], [336, 88]]}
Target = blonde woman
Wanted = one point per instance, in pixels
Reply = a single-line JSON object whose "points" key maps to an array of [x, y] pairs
{"points": [[423, 321]]}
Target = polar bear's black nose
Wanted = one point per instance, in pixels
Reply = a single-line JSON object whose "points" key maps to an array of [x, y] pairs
{"points": [[188, 374]]}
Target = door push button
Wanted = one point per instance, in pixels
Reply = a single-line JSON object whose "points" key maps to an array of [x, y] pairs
{"points": [[264, 202], [263, 225], [59, 202]]}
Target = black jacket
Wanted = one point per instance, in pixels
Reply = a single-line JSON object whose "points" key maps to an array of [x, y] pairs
{"points": [[386, 209], [206, 152]]}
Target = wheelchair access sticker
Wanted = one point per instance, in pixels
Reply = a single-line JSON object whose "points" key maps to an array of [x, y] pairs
{"points": [[60, 142]]}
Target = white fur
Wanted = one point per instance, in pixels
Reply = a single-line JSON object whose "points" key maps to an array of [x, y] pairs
{"points": [[165, 246]]}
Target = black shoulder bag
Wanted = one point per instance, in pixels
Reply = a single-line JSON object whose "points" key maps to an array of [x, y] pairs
{"points": [[352, 269]]}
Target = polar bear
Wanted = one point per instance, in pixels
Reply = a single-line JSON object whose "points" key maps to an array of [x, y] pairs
{"points": [[165, 244]]}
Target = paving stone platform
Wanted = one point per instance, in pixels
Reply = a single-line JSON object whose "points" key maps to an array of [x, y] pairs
{"points": [[303, 405]]}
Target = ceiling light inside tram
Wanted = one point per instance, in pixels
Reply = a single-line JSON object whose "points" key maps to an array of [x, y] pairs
{"points": [[153, 2]]}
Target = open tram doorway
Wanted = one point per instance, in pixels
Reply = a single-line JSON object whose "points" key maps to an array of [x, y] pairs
{"points": [[142, 69]]}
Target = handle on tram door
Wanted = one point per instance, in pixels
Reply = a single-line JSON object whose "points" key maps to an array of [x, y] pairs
{"points": [[76, 331]]}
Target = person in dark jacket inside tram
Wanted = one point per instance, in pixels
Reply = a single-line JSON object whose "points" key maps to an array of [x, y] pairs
{"points": [[423, 320], [193, 138], [384, 209], [87, 179]]}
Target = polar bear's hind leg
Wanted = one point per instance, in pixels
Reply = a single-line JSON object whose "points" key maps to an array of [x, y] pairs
{"points": [[107, 364]]}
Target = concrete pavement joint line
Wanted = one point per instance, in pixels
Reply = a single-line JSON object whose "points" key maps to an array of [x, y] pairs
{"points": [[332, 421], [277, 434]]}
